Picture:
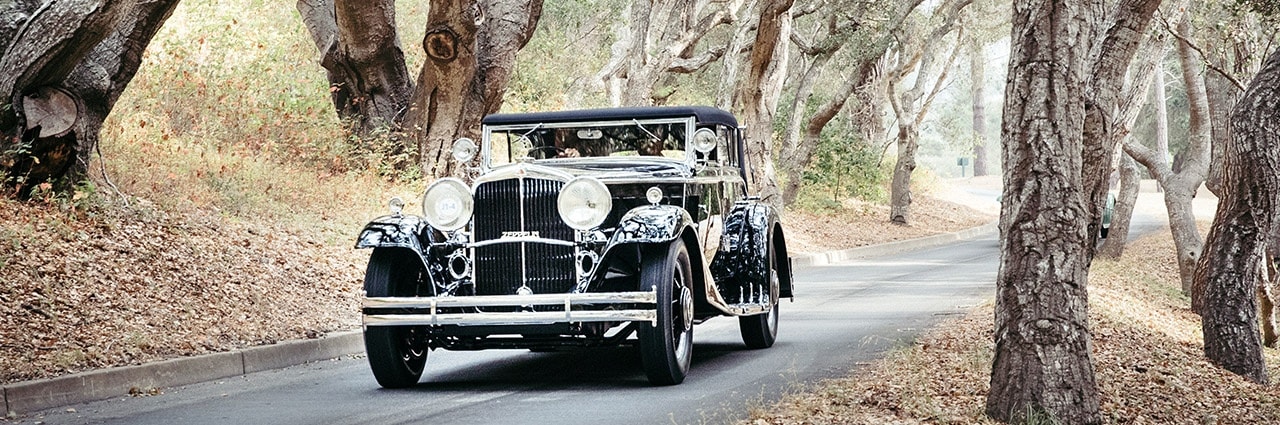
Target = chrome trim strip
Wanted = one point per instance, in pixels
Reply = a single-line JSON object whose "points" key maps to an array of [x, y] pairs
{"points": [[649, 297], [518, 318], [522, 239]]}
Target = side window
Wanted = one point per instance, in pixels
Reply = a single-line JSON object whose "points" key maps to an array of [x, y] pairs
{"points": [[725, 150]]}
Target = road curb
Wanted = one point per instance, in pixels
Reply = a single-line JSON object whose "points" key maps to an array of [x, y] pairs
{"points": [[31, 396], [830, 257]]}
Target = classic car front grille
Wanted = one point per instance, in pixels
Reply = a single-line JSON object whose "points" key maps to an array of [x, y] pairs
{"points": [[500, 268]]}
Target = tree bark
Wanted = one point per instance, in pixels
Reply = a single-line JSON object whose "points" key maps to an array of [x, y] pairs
{"points": [[360, 50], [1143, 73], [1126, 199], [62, 71], [471, 50], [1161, 102], [1232, 265], [1103, 129], [1182, 187], [1043, 366], [977, 72], [758, 96]]}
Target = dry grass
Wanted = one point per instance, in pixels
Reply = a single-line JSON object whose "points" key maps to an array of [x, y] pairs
{"points": [[1148, 356]]}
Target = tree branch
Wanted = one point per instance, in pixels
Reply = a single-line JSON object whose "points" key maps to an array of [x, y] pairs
{"points": [[1203, 57]]}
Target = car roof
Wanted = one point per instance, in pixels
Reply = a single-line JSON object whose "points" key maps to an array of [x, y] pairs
{"points": [[704, 115]]}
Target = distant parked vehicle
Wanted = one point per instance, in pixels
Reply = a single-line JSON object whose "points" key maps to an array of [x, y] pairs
{"points": [[601, 227]]}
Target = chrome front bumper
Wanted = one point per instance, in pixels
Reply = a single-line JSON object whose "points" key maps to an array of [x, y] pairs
{"points": [[433, 317]]}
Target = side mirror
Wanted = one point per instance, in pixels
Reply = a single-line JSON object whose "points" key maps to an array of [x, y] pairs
{"points": [[464, 150]]}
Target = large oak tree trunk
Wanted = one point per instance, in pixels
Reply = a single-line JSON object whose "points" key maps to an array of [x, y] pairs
{"points": [[758, 96], [1232, 265], [64, 67], [1043, 364], [471, 48], [471, 51], [361, 53]]}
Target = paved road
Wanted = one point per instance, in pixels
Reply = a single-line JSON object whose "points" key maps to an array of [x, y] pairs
{"points": [[843, 314]]}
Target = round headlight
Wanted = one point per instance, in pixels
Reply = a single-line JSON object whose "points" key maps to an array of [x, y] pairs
{"points": [[464, 149], [447, 204], [584, 203], [653, 195], [704, 140]]}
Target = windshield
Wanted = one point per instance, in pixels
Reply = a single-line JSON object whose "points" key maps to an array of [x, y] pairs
{"points": [[652, 138]]}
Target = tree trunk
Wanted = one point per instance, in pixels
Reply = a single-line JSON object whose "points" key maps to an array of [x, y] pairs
{"points": [[1122, 216], [1266, 301], [977, 72], [900, 188], [1143, 73], [1161, 102], [758, 96], [913, 105], [1232, 265], [1196, 166], [471, 50], [359, 49], [1043, 366], [64, 68], [797, 151], [1104, 130]]}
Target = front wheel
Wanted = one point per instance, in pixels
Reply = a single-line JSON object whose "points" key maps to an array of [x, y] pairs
{"points": [[666, 350], [397, 354], [761, 330]]}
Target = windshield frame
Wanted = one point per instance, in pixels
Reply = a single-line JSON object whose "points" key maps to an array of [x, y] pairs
{"points": [[486, 144]]}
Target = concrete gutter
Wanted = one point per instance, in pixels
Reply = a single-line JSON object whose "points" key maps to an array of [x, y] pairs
{"points": [[32, 396], [831, 257]]}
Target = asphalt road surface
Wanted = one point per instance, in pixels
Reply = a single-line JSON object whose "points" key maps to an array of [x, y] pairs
{"points": [[843, 315]]}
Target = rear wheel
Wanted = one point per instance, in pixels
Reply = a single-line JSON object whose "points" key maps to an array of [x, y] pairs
{"points": [[397, 354], [666, 350], [761, 330]]}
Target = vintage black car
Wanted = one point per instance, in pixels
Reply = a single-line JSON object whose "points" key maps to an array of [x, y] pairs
{"points": [[603, 227]]}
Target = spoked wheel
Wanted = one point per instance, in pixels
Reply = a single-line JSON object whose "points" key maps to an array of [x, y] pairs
{"points": [[397, 354], [667, 349], [761, 330]]}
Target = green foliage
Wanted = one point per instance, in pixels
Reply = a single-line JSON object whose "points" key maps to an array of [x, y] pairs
{"points": [[844, 167]]}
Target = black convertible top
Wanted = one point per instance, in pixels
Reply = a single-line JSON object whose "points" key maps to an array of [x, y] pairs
{"points": [[704, 114]]}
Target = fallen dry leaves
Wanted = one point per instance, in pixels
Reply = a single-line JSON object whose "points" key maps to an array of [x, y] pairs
{"points": [[1148, 357], [135, 284]]}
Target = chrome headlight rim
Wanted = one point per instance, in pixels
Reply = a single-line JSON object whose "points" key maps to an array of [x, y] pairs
{"points": [[447, 204], [584, 203]]}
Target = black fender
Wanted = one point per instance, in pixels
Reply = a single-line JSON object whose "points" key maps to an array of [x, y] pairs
{"points": [[400, 232], [749, 230], [651, 224], [645, 225]]}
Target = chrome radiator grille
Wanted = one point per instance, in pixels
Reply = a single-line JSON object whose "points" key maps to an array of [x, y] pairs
{"points": [[521, 205]]}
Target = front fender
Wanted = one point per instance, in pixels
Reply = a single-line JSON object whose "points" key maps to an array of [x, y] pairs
{"points": [[750, 229], [651, 224], [398, 232], [392, 231]]}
